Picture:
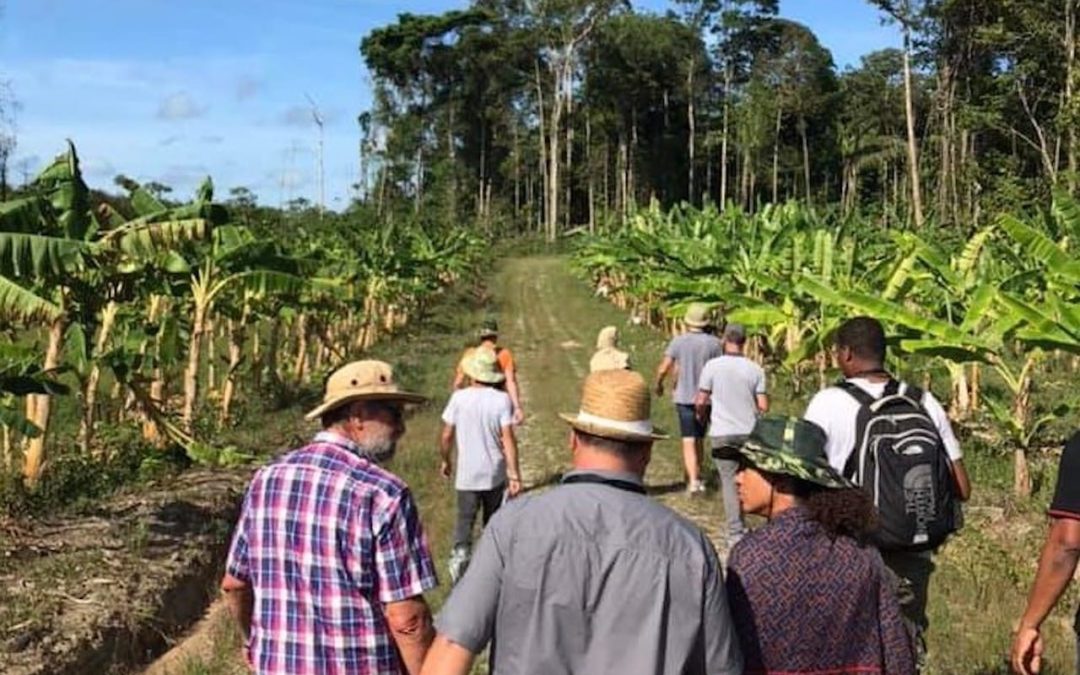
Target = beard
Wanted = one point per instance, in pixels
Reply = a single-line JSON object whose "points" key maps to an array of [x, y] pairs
{"points": [[381, 450]]}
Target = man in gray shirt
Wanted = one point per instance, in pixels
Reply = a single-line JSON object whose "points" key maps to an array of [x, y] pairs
{"points": [[592, 576], [687, 354], [734, 387]]}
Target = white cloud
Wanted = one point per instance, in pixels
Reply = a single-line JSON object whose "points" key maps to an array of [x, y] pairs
{"points": [[180, 106]]}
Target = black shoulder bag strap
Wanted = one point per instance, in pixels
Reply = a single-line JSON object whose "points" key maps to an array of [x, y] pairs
{"points": [[865, 400], [600, 480]]}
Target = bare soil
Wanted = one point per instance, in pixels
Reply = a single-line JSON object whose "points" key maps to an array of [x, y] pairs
{"points": [[99, 592]]}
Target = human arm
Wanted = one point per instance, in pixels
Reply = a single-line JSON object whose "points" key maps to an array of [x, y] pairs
{"points": [[447, 658], [510, 451], [240, 602], [446, 446], [662, 372], [411, 628], [701, 404], [404, 570], [1057, 564], [512, 389], [466, 622], [960, 480], [762, 401]]}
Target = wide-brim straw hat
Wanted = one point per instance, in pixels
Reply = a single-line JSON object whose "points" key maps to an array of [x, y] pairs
{"points": [[482, 365], [362, 381], [792, 447], [698, 315], [615, 404]]}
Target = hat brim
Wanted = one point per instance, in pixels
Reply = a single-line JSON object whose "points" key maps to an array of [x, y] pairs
{"points": [[397, 396], [609, 432], [486, 378], [782, 463], [696, 324]]}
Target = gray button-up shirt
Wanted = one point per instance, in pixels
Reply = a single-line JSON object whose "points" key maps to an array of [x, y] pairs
{"points": [[589, 578]]}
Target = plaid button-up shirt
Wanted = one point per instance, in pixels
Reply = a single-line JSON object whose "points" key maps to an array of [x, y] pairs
{"points": [[325, 539]]}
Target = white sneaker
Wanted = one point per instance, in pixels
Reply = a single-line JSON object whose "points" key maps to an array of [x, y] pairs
{"points": [[459, 561], [695, 487]]}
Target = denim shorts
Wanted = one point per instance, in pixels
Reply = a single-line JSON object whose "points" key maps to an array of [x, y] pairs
{"points": [[689, 426]]}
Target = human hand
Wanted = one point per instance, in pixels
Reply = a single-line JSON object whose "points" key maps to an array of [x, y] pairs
{"points": [[514, 488], [445, 469], [519, 417], [659, 390], [1027, 650]]}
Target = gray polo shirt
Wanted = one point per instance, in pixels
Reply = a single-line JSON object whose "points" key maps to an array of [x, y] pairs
{"points": [[691, 351], [589, 578]]}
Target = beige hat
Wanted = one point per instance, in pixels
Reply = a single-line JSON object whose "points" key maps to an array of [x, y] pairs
{"points": [[698, 315], [615, 404], [362, 380], [481, 365]]}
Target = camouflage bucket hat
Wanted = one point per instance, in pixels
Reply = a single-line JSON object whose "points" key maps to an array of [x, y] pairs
{"points": [[791, 447]]}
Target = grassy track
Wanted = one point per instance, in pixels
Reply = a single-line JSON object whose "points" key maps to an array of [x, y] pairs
{"points": [[550, 319]]}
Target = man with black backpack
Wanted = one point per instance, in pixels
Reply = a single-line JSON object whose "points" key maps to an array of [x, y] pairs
{"points": [[894, 440]]}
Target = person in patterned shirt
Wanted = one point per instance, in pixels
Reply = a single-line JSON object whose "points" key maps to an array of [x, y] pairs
{"points": [[807, 594], [329, 563]]}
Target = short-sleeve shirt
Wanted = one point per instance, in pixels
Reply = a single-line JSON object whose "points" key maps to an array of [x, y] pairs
{"points": [[691, 351], [478, 415], [1066, 503], [590, 578], [326, 538], [734, 382], [835, 411]]}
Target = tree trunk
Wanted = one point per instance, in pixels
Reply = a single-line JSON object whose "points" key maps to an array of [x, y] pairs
{"points": [[90, 390], [691, 121], [34, 460], [191, 374], [724, 138], [806, 161], [300, 367], [912, 151], [1071, 118], [590, 173], [776, 158]]}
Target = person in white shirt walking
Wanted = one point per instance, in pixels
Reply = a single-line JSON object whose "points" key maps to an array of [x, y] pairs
{"points": [[860, 352], [479, 420], [734, 387]]}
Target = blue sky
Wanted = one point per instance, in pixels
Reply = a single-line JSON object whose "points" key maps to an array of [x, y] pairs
{"points": [[174, 90]]}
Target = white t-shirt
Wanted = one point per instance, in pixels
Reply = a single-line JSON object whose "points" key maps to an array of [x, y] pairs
{"points": [[478, 415], [835, 411]]}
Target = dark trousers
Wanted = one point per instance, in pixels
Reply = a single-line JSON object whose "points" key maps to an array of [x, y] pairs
{"points": [[487, 502], [912, 571]]}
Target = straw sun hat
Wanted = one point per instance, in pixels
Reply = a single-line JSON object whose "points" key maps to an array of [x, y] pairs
{"points": [[362, 381], [482, 365], [615, 404], [698, 315]]}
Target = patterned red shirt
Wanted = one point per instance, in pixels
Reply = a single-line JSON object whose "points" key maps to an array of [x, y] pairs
{"points": [[805, 603], [326, 538]]}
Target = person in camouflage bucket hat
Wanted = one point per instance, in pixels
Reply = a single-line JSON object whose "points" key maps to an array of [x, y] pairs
{"points": [[810, 569], [792, 447]]}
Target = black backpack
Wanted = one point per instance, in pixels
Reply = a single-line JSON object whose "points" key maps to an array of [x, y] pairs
{"points": [[901, 462]]}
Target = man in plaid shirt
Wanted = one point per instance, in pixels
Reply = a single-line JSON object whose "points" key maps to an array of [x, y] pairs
{"points": [[329, 562]]}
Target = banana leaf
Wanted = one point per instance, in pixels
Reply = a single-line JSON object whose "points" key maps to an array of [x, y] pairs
{"points": [[15, 420], [1042, 249], [24, 255], [17, 302]]}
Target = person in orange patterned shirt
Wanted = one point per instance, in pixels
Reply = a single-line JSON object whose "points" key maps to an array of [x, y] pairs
{"points": [[488, 336]]}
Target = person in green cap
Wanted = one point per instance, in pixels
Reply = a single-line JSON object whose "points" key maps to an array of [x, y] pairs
{"points": [[808, 592], [488, 338]]}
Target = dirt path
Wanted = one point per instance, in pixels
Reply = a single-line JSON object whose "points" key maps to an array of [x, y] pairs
{"points": [[550, 320]]}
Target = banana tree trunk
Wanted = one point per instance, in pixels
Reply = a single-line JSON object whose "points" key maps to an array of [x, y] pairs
{"points": [[300, 368], [211, 357], [1021, 414], [34, 460], [272, 346], [150, 430], [237, 334], [90, 391], [191, 374]]}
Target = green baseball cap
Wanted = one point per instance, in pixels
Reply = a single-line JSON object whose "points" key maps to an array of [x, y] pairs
{"points": [[792, 447]]}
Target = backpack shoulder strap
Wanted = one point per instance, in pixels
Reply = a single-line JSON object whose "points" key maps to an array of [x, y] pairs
{"points": [[856, 392]]}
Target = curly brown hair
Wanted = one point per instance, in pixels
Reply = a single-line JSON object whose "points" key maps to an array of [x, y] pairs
{"points": [[841, 513]]}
